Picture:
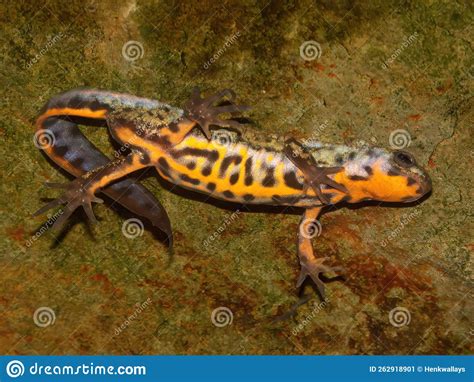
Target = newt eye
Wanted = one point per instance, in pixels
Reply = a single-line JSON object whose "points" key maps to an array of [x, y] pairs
{"points": [[403, 159]]}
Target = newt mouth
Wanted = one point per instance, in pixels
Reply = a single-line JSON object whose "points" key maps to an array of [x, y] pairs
{"points": [[425, 186]]}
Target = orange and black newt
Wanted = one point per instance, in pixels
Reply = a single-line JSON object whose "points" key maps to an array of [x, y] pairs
{"points": [[227, 164]]}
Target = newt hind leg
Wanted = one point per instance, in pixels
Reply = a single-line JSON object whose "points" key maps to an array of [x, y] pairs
{"points": [[310, 265], [81, 191]]}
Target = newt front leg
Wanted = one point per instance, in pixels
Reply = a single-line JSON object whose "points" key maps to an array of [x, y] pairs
{"points": [[310, 265]]}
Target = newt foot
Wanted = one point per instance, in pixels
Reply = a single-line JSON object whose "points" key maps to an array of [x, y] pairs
{"points": [[313, 270], [76, 195], [202, 111]]}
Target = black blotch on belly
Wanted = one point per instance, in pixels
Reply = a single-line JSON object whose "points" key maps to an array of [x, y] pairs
{"points": [[234, 178], [226, 162], [269, 180], [284, 199], [164, 167], [211, 156], [211, 186], [357, 177], [145, 158], [188, 179], [248, 172], [292, 181], [228, 194], [249, 197], [191, 165], [368, 169], [206, 170]]}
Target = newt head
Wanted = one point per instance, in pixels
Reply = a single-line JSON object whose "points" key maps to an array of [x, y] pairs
{"points": [[370, 173]]}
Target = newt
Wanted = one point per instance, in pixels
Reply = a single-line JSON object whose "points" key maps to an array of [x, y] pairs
{"points": [[225, 163]]}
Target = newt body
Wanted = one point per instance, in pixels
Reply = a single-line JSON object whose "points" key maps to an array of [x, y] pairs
{"points": [[227, 165]]}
